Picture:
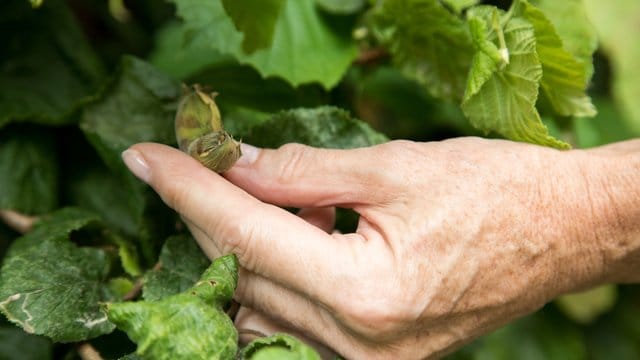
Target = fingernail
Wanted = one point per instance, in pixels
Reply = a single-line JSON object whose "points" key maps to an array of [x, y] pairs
{"points": [[136, 164], [249, 155]]}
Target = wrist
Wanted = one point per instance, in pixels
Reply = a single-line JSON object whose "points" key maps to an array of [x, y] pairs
{"points": [[611, 213]]}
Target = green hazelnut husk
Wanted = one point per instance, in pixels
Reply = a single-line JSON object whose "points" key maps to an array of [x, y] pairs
{"points": [[199, 131]]}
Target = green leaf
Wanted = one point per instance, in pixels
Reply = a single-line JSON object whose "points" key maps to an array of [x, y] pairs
{"points": [[28, 171], [241, 85], [238, 85], [428, 43], [459, 5], [564, 76], [138, 105], [57, 225], [240, 120], [175, 274], [14, 341], [327, 127], [36, 3], [278, 346], [96, 188], [572, 24], [586, 306], [7, 235], [49, 286], [341, 7], [174, 55], [304, 48], [617, 28], [256, 19], [47, 68], [189, 325], [120, 286], [502, 97]]}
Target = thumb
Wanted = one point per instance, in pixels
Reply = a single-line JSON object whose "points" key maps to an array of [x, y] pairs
{"points": [[303, 176]]}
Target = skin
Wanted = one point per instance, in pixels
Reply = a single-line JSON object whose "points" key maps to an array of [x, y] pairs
{"points": [[455, 238]]}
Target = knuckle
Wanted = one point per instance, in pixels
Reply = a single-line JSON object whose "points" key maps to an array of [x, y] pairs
{"points": [[375, 315], [293, 159]]}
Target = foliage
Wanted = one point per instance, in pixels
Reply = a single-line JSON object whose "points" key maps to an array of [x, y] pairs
{"points": [[187, 325], [82, 81]]}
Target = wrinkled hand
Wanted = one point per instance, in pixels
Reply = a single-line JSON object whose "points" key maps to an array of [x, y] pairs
{"points": [[455, 238]]}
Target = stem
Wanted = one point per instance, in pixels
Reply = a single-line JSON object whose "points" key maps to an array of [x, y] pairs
{"points": [[497, 27], [17, 221], [134, 292], [371, 56], [87, 352], [137, 287]]}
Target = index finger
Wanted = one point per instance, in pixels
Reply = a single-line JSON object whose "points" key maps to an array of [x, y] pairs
{"points": [[267, 240]]}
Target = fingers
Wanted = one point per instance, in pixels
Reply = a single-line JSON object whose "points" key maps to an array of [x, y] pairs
{"points": [[287, 307], [322, 218], [267, 240], [252, 324], [302, 176]]}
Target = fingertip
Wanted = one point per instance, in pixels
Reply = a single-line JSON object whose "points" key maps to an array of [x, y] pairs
{"points": [[136, 163]]}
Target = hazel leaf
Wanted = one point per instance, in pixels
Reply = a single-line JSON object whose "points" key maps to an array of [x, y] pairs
{"points": [[503, 98], [459, 5], [49, 286], [428, 43], [14, 341], [571, 22], [257, 34], [278, 346], [564, 76], [341, 7], [188, 325], [304, 48], [45, 92], [28, 171], [325, 126], [175, 275]]}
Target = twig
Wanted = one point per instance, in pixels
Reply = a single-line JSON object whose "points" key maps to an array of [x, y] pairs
{"points": [[88, 352], [17, 221], [137, 287], [370, 56], [134, 292]]}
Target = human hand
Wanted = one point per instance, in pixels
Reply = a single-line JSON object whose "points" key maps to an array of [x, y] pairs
{"points": [[455, 238]]}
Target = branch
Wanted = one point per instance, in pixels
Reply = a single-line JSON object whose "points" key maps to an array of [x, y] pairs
{"points": [[87, 352], [137, 287], [371, 56], [17, 221]]}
